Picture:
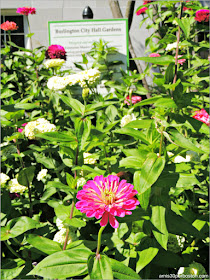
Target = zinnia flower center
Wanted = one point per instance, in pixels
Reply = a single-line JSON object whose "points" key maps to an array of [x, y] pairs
{"points": [[108, 197]]}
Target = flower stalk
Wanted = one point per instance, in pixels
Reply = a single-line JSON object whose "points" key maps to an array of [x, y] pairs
{"points": [[99, 241]]}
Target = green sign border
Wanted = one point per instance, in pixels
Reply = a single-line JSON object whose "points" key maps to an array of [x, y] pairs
{"points": [[96, 20]]}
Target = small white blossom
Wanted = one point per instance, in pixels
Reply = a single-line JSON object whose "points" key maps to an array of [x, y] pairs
{"points": [[38, 126], [60, 236], [15, 187], [42, 174], [81, 182], [171, 47], [127, 119], [3, 178], [56, 62], [60, 224], [179, 159], [88, 159]]}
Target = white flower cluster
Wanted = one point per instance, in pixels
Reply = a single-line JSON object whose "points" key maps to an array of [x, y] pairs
{"points": [[172, 46], [83, 78], [57, 83], [126, 119], [88, 159], [61, 234], [42, 174], [81, 182], [3, 178], [38, 126], [88, 77], [15, 187], [56, 62]]}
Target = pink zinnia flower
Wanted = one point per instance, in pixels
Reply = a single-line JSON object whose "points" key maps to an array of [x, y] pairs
{"points": [[134, 99], [182, 60], [26, 10], [141, 11], [106, 198], [202, 116], [154, 55], [55, 51], [202, 15], [9, 26]]}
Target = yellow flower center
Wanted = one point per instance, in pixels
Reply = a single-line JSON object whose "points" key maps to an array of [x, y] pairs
{"points": [[108, 197]]}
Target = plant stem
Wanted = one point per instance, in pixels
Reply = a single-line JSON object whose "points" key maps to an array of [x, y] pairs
{"points": [[73, 202], [12, 251], [177, 49], [161, 143], [99, 240]]}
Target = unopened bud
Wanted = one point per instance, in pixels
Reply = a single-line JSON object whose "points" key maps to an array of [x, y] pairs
{"points": [[85, 93]]}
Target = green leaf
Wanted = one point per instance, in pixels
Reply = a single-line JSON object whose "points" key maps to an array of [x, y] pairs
{"points": [[62, 211], [68, 263], [9, 274], [74, 222], [58, 136], [183, 142], [26, 176], [86, 131], [121, 271], [158, 220], [145, 257], [17, 226], [132, 162], [26, 106], [99, 268], [43, 244], [140, 124], [144, 198], [150, 171], [185, 24], [5, 93], [75, 104], [71, 181], [132, 132], [165, 103], [147, 101], [58, 185], [169, 74], [162, 60]]}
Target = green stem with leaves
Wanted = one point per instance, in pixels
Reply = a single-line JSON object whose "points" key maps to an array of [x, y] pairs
{"points": [[99, 241]]}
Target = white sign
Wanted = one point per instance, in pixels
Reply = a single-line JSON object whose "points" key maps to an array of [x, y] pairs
{"points": [[77, 38]]}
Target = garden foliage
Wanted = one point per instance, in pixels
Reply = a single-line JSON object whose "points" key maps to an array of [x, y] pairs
{"points": [[59, 132]]}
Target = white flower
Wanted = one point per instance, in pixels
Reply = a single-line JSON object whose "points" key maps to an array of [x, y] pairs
{"points": [[42, 174], [57, 83], [54, 62], [88, 159], [60, 236], [72, 79], [173, 46], [81, 182], [89, 77], [179, 159], [126, 119], [3, 178], [60, 224], [38, 126], [15, 187]]}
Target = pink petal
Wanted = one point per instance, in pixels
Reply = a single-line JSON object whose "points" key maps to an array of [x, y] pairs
{"points": [[104, 219], [113, 222]]}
